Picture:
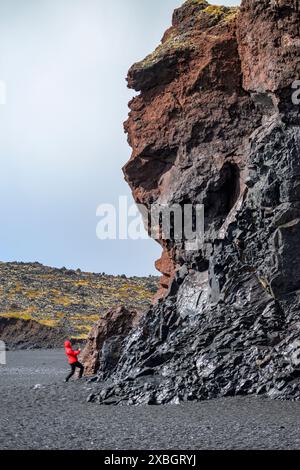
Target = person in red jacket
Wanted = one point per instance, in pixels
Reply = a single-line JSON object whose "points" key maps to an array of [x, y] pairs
{"points": [[73, 360]]}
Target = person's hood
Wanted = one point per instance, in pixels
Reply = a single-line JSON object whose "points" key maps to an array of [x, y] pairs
{"points": [[67, 344]]}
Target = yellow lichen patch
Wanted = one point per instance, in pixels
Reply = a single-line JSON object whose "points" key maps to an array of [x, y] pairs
{"points": [[217, 10], [214, 10], [51, 323], [83, 328], [54, 292], [17, 315], [79, 337], [63, 300], [33, 294], [231, 14], [16, 289], [85, 319], [84, 282], [90, 318], [60, 315], [32, 314], [25, 314]]}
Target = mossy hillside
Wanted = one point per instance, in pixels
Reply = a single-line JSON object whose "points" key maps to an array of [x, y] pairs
{"points": [[70, 300]]}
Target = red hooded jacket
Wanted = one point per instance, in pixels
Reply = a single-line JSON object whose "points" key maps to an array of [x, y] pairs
{"points": [[71, 354]]}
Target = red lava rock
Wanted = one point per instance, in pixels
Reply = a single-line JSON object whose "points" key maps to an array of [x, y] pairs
{"points": [[192, 118], [116, 325]]}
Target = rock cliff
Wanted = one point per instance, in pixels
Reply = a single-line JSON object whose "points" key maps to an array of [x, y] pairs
{"points": [[215, 123]]}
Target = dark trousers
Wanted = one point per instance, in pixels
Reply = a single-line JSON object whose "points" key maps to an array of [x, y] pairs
{"points": [[73, 368]]}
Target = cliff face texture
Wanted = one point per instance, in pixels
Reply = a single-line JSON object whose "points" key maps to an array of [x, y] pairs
{"points": [[215, 123]]}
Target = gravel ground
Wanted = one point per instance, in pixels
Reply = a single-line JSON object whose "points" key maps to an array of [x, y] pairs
{"points": [[56, 415]]}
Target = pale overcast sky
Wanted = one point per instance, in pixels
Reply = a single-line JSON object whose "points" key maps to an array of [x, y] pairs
{"points": [[61, 136]]}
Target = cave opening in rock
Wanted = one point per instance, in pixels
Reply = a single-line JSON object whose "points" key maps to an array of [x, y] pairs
{"points": [[222, 195], [231, 186]]}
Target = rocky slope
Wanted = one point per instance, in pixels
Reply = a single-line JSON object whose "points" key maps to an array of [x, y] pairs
{"points": [[40, 306], [214, 123]]}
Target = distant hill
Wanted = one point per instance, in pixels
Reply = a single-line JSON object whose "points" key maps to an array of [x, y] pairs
{"points": [[66, 300]]}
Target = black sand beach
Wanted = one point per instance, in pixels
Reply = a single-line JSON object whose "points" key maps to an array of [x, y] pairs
{"points": [[39, 411]]}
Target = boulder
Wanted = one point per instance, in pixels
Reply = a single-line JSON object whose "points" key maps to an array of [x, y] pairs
{"points": [[105, 341]]}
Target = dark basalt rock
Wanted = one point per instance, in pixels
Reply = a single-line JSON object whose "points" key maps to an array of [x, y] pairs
{"points": [[228, 319]]}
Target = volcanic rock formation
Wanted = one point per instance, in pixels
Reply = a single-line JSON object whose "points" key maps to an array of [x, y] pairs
{"points": [[216, 123], [105, 342]]}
